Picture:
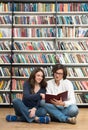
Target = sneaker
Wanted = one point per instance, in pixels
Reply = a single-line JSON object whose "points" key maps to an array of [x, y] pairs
{"points": [[45, 119], [11, 118], [72, 120]]}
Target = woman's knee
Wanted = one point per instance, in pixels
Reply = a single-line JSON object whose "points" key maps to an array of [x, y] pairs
{"points": [[16, 101]]}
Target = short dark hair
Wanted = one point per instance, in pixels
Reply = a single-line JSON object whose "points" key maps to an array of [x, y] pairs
{"points": [[60, 66]]}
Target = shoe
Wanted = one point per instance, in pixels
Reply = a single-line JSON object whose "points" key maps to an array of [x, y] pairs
{"points": [[45, 119], [72, 120], [11, 118]]}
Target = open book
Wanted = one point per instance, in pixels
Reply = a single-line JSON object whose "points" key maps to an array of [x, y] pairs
{"points": [[62, 95]]}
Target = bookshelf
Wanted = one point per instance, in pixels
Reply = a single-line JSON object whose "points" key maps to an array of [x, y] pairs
{"points": [[40, 33], [5, 52]]}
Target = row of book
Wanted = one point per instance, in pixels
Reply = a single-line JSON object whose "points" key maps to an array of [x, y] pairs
{"points": [[5, 7], [5, 98], [50, 45], [33, 45], [72, 19], [44, 7], [44, 19], [45, 58], [34, 32], [68, 7], [81, 97], [72, 32], [4, 71], [33, 20], [5, 58], [47, 19], [5, 85], [81, 32], [34, 58], [19, 71], [45, 32], [6, 19], [16, 95], [72, 45], [72, 58], [77, 72], [5, 45], [72, 72], [51, 32], [5, 32], [25, 72], [50, 7], [80, 85], [50, 58], [44, 45], [18, 84], [28, 7]]}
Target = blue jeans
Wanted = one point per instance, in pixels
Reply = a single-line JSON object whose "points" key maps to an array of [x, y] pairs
{"points": [[21, 111], [59, 112]]}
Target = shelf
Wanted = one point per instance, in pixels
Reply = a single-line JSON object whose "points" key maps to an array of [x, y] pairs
{"points": [[51, 36]]}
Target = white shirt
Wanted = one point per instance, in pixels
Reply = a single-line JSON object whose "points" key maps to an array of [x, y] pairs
{"points": [[65, 85]]}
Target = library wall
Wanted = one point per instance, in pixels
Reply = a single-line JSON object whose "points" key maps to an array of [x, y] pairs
{"points": [[40, 33]]}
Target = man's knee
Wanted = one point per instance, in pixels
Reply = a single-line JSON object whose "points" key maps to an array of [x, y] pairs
{"points": [[74, 110], [42, 103]]}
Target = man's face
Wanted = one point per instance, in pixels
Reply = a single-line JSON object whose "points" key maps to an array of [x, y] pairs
{"points": [[58, 75]]}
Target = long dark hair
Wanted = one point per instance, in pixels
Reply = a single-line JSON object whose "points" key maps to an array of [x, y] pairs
{"points": [[31, 79], [60, 66]]}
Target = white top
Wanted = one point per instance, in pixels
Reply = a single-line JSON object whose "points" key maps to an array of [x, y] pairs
{"points": [[65, 85]]}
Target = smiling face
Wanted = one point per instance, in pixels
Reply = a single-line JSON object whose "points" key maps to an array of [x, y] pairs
{"points": [[39, 77], [58, 75]]}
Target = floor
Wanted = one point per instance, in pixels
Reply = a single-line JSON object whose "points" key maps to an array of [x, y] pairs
{"points": [[82, 122]]}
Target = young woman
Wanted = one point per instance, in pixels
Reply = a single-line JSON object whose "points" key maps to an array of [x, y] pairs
{"points": [[62, 111], [28, 109]]}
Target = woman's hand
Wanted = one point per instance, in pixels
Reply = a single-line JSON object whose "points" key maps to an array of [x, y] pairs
{"points": [[42, 95], [32, 112]]}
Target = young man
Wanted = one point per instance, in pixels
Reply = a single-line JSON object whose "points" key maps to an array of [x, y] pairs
{"points": [[62, 111]]}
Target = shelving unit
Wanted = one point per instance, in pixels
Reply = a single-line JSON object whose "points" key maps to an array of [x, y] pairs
{"points": [[5, 52], [41, 34]]}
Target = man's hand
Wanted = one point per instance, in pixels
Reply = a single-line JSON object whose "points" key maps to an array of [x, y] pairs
{"points": [[57, 102]]}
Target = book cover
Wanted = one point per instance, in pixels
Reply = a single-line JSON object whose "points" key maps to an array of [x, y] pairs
{"points": [[49, 97]]}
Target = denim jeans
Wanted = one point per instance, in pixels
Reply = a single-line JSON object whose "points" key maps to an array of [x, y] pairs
{"points": [[21, 111], [60, 113]]}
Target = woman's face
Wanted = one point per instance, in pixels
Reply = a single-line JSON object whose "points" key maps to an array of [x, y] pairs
{"points": [[58, 75], [38, 77]]}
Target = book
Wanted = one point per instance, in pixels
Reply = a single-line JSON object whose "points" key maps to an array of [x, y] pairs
{"points": [[85, 97], [49, 97]]}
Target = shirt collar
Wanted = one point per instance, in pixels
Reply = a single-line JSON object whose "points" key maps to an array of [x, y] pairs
{"points": [[60, 81]]}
